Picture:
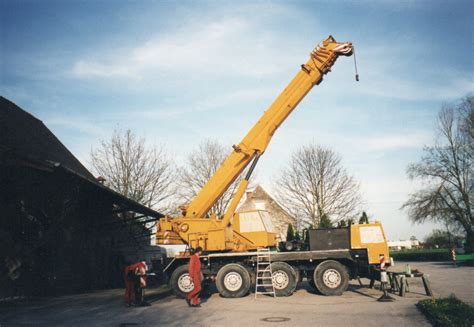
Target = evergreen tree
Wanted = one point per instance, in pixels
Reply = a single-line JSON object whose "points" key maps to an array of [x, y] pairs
{"points": [[297, 236], [325, 221], [290, 233], [364, 219], [342, 223]]}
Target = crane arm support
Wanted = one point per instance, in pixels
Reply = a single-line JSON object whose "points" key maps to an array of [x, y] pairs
{"points": [[257, 139]]}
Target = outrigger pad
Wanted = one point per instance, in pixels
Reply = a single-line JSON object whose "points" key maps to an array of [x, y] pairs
{"points": [[385, 298]]}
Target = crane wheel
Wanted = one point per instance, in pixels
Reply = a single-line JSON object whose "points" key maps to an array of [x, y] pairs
{"points": [[331, 278], [180, 282], [233, 281], [284, 278]]}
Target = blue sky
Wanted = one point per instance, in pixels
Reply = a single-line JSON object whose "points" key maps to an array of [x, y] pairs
{"points": [[181, 72]]}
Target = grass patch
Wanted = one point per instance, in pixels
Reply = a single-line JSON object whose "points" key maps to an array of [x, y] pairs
{"points": [[447, 312], [422, 255]]}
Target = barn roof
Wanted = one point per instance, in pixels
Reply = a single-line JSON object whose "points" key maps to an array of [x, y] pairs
{"points": [[27, 139]]}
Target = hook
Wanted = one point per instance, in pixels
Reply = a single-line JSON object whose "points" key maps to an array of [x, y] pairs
{"points": [[355, 64]]}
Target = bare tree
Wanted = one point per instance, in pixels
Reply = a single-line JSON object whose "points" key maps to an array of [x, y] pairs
{"points": [[447, 168], [202, 163], [130, 168], [315, 186]]}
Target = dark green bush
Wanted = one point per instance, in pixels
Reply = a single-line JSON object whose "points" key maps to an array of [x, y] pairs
{"points": [[422, 255], [447, 312]]}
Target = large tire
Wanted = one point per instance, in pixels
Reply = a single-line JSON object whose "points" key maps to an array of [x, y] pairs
{"points": [[331, 278], [284, 278], [233, 281], [180, 282]]}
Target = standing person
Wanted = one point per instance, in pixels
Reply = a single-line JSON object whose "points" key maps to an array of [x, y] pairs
{"points": [[195, 275], [135, 282]]}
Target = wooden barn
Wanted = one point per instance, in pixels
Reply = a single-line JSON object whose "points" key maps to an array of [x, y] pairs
{"points": [[61, 230]]}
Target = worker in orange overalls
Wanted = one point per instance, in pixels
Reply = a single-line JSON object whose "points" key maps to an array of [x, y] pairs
{"points": [[195, 275], [135, 282]]}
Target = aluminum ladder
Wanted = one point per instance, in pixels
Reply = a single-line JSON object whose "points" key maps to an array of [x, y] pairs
{"points": [[264, 279]]}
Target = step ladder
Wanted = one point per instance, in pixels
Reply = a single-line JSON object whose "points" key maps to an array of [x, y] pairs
{"points": [[264, 280]]}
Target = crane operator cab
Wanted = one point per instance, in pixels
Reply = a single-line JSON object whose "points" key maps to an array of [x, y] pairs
{"points": [[255, 227]]}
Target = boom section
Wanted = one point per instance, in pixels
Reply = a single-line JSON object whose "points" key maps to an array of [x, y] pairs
{"points": [[257, 139]]}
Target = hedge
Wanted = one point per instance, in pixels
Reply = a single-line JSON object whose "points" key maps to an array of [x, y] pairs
{"points": [[447, 312], [422, 255]]}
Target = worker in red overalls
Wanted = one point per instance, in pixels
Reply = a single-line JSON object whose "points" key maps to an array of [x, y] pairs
{"points": [[135, 282], [195, 275]]}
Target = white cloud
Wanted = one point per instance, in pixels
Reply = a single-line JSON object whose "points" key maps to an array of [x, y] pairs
{"points": [[375, 143], [388, 188], [228, 43], [394, 142], [84, 126], [207, 103], [229, 46], [85, 69], [405, 89]]}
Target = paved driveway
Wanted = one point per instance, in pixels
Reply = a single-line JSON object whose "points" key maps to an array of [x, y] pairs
{"points": [[357, 307]]}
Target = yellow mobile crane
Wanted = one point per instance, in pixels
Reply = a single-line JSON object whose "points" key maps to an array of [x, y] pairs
{"points": [[214, 233], [331, 256]]}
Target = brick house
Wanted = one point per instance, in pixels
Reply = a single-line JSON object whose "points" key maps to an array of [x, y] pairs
{"points": [[259, 199]]}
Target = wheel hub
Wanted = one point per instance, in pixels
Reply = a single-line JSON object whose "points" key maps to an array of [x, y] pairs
{"points": [[233, 281], [280, 279], [332, 278], [185, 284]]}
